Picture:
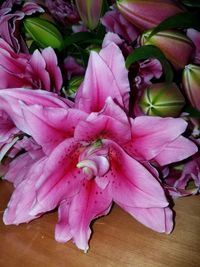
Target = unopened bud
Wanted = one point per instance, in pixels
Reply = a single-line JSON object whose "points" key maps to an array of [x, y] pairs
{"points": [[147, 14], [191, 84], [43, 32], [162, 99], [174, 44], [89, 11]]}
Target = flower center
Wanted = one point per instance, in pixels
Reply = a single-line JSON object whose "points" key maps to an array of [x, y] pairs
{"points": [[94, 160]]}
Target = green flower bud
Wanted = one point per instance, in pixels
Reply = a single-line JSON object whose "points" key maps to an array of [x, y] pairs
{"points": [[162, 99], [191, 84], [89, 11], [43, 32], [174, 44]]}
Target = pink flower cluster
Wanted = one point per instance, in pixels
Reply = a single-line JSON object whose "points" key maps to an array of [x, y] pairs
{"points": [[90, 154], [80, 154]]}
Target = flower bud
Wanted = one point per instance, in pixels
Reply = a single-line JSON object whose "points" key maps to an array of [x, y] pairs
{"points": [[147, 14], [191, 84], [90, 11], [162, 99], [174, 44], [43, 32]]}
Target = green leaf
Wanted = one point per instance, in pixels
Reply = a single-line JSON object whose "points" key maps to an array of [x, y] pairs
{"points": [[105, 7], [151, 51], [80, 38], [191, 3], [194, 113], [181, 20]]}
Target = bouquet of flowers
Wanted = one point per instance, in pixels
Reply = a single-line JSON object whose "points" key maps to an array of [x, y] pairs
{"points": [[99, 104]]}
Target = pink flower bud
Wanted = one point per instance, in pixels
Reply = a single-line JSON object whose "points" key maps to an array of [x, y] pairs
{"points": [[89, 11], [147, 14], [174, 44], [191, 84], [162, 99]]}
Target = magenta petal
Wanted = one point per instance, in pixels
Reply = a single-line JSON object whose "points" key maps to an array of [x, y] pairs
{"points": [[10, 102], [7, 128], [99, 83], [150, 135], [158, 219], [72, 67], [30, 8], [111, 109], [52, 68], [37, 68], [18, 169], [50, 126], [29, 97], [112, 38], [131, 184], [24, 197], [110, 123], [90, 203], [190, 171], [114, 59], [115, 22], [181, 148], [61, 178], [96, 127], [62, 230]]}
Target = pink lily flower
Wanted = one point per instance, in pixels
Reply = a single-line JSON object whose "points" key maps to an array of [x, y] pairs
{"points": [[23, 162], [116, 23], [10, 23], [148, 70], [11, 142], [63, 11], [39, 70], [185, 182], [93, 153], [72, 68]]}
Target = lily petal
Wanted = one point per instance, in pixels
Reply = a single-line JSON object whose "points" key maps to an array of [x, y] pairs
{"points": [[61, 178], [110, 123], [150, 135], [24, 197], [18, 169], [37, 68], [99, 83], [179, 149], [114, 59], [131, 184], [62, 230], [90, 203], [10, 102], [52, 67], [50, 126], [158, 219]]}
